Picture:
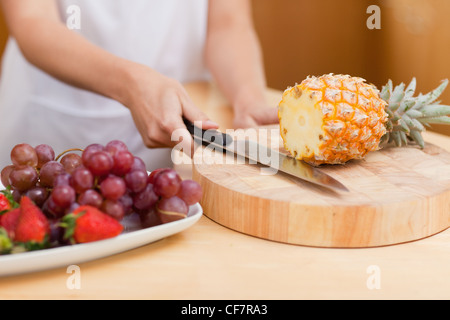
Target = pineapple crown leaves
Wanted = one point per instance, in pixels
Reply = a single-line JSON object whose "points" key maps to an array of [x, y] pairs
{"points": [[408, 116]]}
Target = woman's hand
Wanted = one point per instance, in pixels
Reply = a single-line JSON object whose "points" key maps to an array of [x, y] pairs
{"points": [[234, 57], [158, 105], [254, 117], [251, 110]]}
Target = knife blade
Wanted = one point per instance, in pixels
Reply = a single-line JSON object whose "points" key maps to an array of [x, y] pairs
{"points": [[258, 153]]}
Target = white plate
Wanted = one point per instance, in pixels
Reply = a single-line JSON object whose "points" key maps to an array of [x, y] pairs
{"points": [[132, 237]]}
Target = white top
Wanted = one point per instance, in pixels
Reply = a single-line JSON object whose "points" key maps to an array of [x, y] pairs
{"points": [[35, 108]]}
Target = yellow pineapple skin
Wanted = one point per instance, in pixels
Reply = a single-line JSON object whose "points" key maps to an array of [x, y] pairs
{"points": [[331, 119]]}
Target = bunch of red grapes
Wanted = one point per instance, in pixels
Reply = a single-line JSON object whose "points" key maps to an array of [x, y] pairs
{"points": [[108, 177]]}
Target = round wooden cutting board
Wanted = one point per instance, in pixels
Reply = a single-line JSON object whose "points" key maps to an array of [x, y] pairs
{"points": [[396, 195]]}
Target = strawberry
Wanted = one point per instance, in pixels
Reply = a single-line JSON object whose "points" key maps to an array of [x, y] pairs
{"points": [[4, 203], [88, 224], [7, 202], [9, 221], [32, 225]]}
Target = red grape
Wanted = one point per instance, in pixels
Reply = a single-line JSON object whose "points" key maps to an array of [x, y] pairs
{"points": [[113, 208], [52, 210], [127, 202], [171, 209], [5, 175], [38, 195], [113, 188], [155, 173], [45, 153], [49, 172], [62, 179], [100, 163], [71, 161], [149, 219], [23, 177], [90, 150], [115, 146], [63, 196], [123, 161], [24, 154], [167, 183], [145, 199], [90, 197], [16, 195], [74, 206], [82, 179], [56, 234], [190, 192], [138, 164], [136, 181]]}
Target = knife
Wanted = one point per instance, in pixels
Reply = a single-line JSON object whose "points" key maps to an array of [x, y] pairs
{"points": [[272, 158]]}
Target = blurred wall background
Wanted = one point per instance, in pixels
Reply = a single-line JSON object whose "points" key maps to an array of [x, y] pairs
{"points": [[3, 35], [304, 37], [301, 38]]}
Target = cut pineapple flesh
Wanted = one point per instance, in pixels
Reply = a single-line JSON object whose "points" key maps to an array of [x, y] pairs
{"points": [[331, 119], [304, 121]]}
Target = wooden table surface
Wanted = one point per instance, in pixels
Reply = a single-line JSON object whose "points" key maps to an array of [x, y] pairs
{"points": [[208, 261]]}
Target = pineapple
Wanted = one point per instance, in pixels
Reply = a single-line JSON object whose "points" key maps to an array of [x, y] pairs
{"points": [[335, 118]]}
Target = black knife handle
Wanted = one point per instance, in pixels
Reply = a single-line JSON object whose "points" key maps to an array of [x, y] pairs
{"points": [[206, 137]]}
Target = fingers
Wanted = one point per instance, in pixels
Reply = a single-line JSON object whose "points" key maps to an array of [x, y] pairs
{"points": [[196, 116], [174, 127], [160, 119], [268, 116], [184, 141], [174, 130], [257, 117], [171, 133], [240, 122]]}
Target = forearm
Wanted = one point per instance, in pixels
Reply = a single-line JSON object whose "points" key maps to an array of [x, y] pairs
{"points": [[234, 57], [64, 54]]}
